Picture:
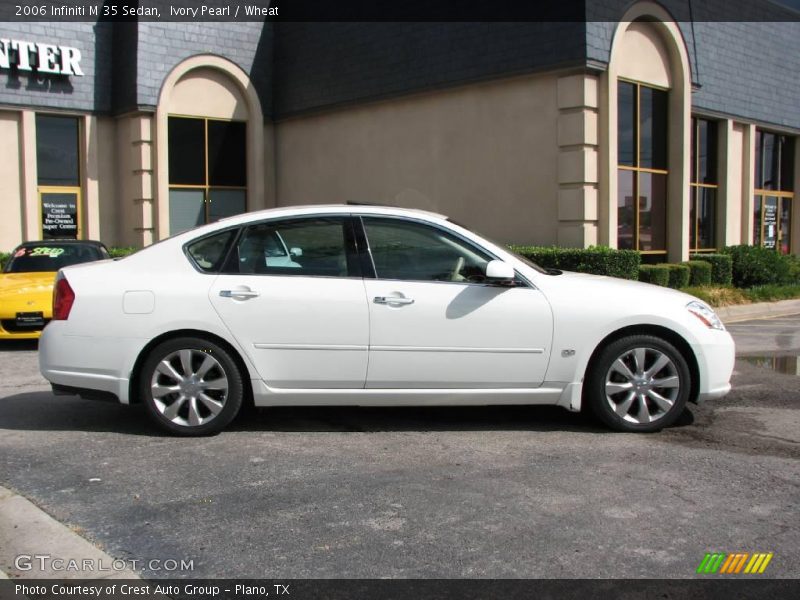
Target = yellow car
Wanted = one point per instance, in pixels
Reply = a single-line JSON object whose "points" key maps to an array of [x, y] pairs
{"points": [[26, 283]]}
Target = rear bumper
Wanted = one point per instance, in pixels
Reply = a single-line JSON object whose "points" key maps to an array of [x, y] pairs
{"points": [[92, 366], [85, 393]]}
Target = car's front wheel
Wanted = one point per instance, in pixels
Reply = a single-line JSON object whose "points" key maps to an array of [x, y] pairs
{"points": [[639, 383], [191, 386]]}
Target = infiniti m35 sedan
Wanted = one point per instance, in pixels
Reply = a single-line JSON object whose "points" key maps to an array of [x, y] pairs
{"points": [[371, 306]]}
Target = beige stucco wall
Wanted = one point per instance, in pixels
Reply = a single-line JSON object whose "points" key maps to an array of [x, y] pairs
{"points": [[206, 92], [486, 155], [10, 185]]}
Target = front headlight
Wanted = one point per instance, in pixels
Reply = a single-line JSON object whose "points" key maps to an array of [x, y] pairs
{"points": [[705, 314]]}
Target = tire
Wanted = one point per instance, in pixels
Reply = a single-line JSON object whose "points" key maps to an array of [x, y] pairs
{"points": [[631, 397], [200, 402]]}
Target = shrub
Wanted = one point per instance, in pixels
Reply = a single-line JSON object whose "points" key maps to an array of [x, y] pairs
{"points": [[753, 265], [700, 272], [121, 252], [4, 256], [598, 260], [721, 267], [678, 275], [655, 274]]}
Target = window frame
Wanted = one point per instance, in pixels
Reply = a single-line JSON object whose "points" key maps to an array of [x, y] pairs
{"points": [[42, 189], [637, 170], [695, 185], [760, 194], [520, 281], [206, 187], [352, 257]]}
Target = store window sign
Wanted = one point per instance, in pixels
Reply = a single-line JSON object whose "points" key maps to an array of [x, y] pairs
{"points": [[43, 58], [59, 215], [770, 224]]}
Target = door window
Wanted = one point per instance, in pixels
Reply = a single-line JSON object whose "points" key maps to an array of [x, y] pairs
{"points": [[417, 252], [319, 247]]}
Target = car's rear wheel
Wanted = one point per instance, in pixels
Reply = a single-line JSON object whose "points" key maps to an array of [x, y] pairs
{"points": [[191, 386], [639, 383]]}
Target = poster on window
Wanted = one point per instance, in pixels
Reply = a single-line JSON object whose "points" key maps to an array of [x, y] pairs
{"points": [[770, 224], [59, 216]]}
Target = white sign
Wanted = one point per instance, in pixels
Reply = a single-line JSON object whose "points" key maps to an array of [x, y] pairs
{"points": [[44, 58]]}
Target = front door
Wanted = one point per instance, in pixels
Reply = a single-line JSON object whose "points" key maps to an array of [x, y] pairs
{"points": [[293, 297], [435, 322]]}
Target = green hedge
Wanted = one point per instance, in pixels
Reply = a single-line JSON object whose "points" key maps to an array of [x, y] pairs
{"points": [[4, 256], [721, 267], [598, 260], [655, 274], [700, 272], [678, 275], [118, 252], [753, 265]]}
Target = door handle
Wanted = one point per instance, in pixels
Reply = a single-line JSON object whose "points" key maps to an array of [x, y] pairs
{"points": [[392, 300], [238, 294]]}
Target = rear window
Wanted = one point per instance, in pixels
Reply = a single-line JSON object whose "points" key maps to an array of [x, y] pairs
{"points": [[208, 253], [51, 257]]}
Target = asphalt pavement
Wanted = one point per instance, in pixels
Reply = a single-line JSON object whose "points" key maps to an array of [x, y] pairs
{"points": [[498, 492]]}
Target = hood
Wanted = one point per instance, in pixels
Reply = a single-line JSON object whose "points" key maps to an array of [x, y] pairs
{"points": [[601, 288]]}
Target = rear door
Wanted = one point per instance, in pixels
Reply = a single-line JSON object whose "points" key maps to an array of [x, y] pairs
{"points": [[293, 296]]}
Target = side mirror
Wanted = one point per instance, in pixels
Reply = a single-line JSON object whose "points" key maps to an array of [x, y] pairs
{"points": [[296, 252], [498, 271]]}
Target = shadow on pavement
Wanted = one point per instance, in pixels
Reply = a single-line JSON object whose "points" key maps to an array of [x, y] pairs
{"points": [[41, 411], [19, 345]]}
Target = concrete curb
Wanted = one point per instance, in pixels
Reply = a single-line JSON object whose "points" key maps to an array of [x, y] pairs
{"points": [[27, 530], [761, 310]]}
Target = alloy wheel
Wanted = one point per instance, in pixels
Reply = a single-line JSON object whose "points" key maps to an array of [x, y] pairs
{"points": [[642, 385], [189, 387]]}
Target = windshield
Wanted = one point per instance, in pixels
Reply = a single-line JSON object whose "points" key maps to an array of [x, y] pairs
{"points": [[51, 257]]}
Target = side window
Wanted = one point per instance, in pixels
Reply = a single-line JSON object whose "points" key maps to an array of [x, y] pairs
{"points": [[209, 252], [418, 252], [310, 247]]}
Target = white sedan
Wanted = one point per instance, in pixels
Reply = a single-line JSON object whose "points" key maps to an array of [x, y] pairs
{"points": [[372, 306]]}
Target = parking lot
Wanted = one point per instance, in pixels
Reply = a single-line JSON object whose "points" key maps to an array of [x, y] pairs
{"points": [[452, 492]]}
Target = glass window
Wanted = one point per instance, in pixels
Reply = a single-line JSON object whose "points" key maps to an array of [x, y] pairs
{"points": [[227, 164], [301, 247], [652, 211], [703, 188], [642, 173], [207, 171], [626, 211], [774, 193], [626, 137], [418, 252], [653, 127], [57, 156], [51, 257], [209, 252], [186, 151]]}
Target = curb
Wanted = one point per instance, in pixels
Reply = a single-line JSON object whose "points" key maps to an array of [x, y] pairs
{"points": [[27, 530], [760, 310]]}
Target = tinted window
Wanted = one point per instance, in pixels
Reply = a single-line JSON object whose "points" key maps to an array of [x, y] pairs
{"points": [[415, 251], [227, 164], [51, 257], [208, 253], [310, 247], [57, 150], [186, 151], [653, 124], [626, 122]]}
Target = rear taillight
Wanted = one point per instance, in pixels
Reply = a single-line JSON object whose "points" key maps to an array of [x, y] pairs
{"points": [[63, 298]]}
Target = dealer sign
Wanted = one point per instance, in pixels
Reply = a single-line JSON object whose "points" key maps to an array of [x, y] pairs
{"points": [[43, 58]]}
